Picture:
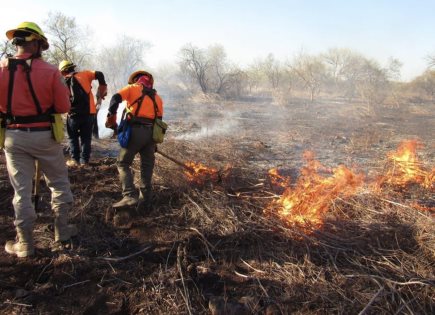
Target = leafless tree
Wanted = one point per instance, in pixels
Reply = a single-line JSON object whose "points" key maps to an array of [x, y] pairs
{"points": [[430, 61], [426, 84], [209, 68], [196, 65], [273, 70], [67, 40], [6, 49], [311, 71], [118, 61], [372, 84]]}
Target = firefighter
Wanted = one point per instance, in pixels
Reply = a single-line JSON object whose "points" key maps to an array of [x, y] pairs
{"points": [[144, 104], [30, 90], [82, 116]]}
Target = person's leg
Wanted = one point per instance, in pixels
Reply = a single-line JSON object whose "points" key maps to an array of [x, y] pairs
{"points": [[95, 132], [125, 159], [147, 155], [72, 129], [21, 166], [53, 167], [86, 138]]}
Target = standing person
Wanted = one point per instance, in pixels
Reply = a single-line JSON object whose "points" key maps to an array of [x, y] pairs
{"points": [[81, 117], [30, 90], [143, 103]]}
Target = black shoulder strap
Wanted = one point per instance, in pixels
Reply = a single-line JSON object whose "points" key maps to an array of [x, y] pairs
{"points": [[27, 66], [153, 98]]}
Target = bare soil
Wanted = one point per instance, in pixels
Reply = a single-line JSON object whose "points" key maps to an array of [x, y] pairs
{"points": [[209, 248]]}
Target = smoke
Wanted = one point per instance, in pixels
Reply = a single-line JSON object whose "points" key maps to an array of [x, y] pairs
{"points": [[221, 126]]}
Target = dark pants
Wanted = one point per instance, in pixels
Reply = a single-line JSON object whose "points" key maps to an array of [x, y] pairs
{"points": [[141, 141], [79, 129], [95, 128]]}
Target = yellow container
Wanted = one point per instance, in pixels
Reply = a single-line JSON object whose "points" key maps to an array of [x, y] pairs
{"points": [[2, 133], [57, 127]]}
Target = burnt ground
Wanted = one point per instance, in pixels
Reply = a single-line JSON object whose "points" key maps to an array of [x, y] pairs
{"points": [[209, 248]]}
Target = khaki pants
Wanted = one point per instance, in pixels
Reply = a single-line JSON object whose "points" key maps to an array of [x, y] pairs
{"points": [[141, 142], [22, 148]]}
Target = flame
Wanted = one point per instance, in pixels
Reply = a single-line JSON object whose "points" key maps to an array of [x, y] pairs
{"points": [[406, 168], [306, 203], [278, 180], [199, 173]]}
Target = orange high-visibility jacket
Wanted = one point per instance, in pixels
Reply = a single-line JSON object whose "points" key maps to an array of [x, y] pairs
{"points": [[85, 79], [132, 92], [49, 85]]}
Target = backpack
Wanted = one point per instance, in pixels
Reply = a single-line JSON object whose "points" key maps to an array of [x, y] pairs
{"points": [[78, 97]]}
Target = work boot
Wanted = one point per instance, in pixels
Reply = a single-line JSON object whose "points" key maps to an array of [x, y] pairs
{"points": [[23, 247], [145, 203], [72, 163], [62, 236], [127, 201]]}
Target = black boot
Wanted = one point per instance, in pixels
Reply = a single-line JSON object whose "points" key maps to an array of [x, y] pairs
{"points": [[145, 203]]}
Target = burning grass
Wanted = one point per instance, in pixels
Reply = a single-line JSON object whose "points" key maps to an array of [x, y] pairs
{"points": [[211, 248]]}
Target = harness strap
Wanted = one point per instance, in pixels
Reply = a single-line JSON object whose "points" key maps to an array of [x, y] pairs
{"points": [[41, 117]]}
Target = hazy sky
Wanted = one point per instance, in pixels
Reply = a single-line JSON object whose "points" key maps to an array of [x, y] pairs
{"points": [[249, 29]]}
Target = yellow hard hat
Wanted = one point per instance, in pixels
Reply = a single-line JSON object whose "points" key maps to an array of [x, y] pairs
{"points": [[33, 29], [65, 64], [137, 74]]}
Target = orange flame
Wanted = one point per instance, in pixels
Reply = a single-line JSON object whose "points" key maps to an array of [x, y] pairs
{"points": [[199, 173], [278, 180], [306, 203], [406, 168]]}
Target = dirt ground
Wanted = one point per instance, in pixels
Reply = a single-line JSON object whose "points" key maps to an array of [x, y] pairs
{"points": [[209, 248]]}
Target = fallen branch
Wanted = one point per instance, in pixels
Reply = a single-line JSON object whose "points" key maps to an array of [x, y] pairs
{"points": [[117, 259], [18, 304]]}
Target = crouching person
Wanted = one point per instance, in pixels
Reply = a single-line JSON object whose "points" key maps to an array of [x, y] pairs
{"points": [[30, 90], [143, 105]]}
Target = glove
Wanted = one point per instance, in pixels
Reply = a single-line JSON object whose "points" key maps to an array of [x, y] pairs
{"points": [[102, 91], [111, 121]]}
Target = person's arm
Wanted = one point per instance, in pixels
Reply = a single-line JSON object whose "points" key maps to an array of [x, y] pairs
{"points": [[102, 85], [113, 108]]}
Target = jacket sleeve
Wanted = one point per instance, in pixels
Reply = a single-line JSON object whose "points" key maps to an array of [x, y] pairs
{"points": [[100, 77], [114, 103]]}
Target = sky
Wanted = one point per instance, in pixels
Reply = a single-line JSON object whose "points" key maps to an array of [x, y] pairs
{"points": [[252, 29]]}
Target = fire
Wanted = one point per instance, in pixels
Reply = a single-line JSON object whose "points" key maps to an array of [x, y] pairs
{"points": [[199, 173], [306, 203], [406, 168], [278, 180]]}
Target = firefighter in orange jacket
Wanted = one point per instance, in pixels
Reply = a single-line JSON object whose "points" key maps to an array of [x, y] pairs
{"points": [[82, 116], [138, 93], [30, 90]]}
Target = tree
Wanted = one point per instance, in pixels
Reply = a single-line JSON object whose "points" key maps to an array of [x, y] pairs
{"points": [[67, 40], [6, 49], [273, 70], [426, 83], [430, 61], [208, 68], [118, 61], [311, 71], [372, 83], [195, 64]]}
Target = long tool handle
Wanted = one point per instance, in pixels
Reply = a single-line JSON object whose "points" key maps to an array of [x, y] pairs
{"points": [[175, 161], [37, 184]]}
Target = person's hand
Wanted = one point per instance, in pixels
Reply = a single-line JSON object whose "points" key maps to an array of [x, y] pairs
{"points": [[102, 91], [111, 121]]}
